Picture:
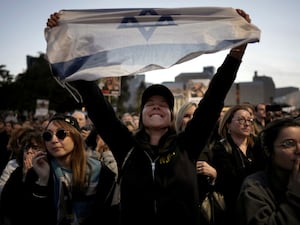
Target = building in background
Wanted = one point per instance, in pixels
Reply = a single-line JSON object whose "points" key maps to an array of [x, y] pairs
{"points": [[260, 89]]}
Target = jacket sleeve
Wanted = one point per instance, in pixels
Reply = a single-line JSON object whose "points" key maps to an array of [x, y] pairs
{"points": [[210, 106], [257, 204], [108, 125]]}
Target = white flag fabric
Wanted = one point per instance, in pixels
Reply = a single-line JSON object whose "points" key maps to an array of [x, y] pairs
{"points": [[90, 44]]}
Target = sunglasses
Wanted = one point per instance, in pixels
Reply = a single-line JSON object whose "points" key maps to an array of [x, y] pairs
{"points": [[60, 134]]}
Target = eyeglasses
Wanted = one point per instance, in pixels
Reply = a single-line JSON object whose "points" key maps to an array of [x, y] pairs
{"points": [[288, 144], [60, 134], [243, 121]]}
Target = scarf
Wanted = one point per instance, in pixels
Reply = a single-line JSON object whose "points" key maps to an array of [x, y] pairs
{"points": [[73, 209]]}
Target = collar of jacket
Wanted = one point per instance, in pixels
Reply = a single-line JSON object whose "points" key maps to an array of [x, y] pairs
{"points": [[166, 142]]}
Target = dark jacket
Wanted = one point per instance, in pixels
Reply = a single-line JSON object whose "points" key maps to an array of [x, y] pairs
{"points": [[20, 204], [15, 207], [265, 199], [232, 168], [159, 184]]}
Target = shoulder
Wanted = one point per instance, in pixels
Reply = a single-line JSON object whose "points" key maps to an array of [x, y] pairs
{"points": [[255, 180], [10, 167], [94, 163], [220, 146]]}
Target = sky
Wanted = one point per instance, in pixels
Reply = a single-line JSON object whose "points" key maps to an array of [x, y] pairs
{"points": [[277, 54]]}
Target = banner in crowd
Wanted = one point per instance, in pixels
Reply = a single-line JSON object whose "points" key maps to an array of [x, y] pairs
{"points": [[110, 86], [42, 108], [196, 89], [90, 44]]}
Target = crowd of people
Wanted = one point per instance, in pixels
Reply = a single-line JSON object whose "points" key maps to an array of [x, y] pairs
{"points": [[155, 166]]}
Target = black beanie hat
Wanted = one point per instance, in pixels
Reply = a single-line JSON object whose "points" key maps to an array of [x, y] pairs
{"points": [[68, 119], [160, 90]]}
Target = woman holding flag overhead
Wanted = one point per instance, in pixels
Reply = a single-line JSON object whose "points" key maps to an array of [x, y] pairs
{"points": [[158, 181]]}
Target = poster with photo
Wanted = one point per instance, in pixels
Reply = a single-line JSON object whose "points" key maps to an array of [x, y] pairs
{"points": [[110, 86], [42, 108], [196, 89]]}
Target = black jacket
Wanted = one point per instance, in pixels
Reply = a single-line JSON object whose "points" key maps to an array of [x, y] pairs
{"points": [[159, 185], [232, 168], [15, 207], [19, 204]]}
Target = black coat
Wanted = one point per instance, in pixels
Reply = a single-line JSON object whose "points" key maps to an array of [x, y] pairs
{"points": [[19, 204], [233, 168], [15, 208]]}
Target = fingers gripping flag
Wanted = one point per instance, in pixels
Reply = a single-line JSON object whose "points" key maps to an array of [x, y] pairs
{"points": [[91, 44]]}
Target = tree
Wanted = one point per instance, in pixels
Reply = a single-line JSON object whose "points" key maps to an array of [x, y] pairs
{"points": [[36, 83], [5, 88], [5, 77]]}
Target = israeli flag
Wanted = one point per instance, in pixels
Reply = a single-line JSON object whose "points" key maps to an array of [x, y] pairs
{"points": [[91, 44]]}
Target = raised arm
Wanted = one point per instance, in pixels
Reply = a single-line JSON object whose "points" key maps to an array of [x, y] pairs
{"points": [[211, 105], [111, 129]]}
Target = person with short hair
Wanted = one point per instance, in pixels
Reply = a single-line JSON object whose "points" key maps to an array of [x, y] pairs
{"points": [[260, 117], [24, 143], [87, 129]]}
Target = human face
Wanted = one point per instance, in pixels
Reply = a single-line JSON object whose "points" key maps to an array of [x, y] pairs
{"points": [[32, 147], [29, 151], [241, 124], [8, 127], [81, 119], [136, 120], [188, 116], [59, 147], [261, 111], [287, 148], [156, 113], [127, 117]]}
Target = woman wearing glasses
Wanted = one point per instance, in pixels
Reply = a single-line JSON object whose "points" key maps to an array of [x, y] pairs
{"points": [[71, 188], [236, 155], [272, 196]]}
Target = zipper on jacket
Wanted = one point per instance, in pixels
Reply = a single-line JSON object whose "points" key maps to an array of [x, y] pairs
{"points": [[153, 177]]}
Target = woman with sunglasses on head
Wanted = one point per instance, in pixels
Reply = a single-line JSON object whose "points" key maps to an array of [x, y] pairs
{"points": [[24, 143], [272, 196], [72, 188], [236, 155]]}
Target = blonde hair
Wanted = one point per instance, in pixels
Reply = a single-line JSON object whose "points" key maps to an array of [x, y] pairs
{"points": [[180, 115], [227, 118]]}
